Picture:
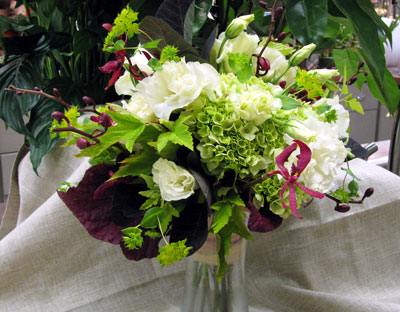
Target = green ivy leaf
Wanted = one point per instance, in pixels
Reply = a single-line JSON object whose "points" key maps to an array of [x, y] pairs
{"points": [[354, 104], [221, 217], [179, 134], [137, 164]]}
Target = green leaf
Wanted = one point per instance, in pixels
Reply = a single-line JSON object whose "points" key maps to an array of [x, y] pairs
{"points": [[196, 16], [353, 188], [151, 44], [151, 217], [288, 102], [354, 104], [136, 165], [173, 12], [367, 34], [323, 108], [221, 217], [156, 28], [283, 48], [307, 19], [179, 134], [388, 94], [368, 8], [349, 59], [349, 172], [83, 41]]}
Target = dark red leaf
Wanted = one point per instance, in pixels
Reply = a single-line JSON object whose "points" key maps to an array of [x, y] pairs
{"points": [[94, 214], [263, 220], [149, 249]]}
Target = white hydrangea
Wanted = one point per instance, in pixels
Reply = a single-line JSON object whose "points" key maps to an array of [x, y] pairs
{"points": [[177, 85], [256, 104], [175, 182]]}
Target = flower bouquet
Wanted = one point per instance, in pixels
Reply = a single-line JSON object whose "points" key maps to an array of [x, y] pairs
{"points": [[221, 147]]}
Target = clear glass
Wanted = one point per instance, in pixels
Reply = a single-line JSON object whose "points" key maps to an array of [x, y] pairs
{"points": [[203, 293]]}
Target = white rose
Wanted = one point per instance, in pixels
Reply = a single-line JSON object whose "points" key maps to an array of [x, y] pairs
{"points": [[244, 43], [139, 107], [175, 182], [124, 83], [278, 63], [177, 85]]}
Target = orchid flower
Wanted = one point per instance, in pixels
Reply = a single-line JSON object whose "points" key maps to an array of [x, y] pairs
{"points": [[291, 179]]}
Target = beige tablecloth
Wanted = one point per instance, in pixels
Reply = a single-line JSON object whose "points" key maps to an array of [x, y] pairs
{"points": [[326, 262]]}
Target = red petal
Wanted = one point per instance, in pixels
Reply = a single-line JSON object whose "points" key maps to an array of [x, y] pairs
{"points": [[109, 67], [107, 26], [304, 157], [284, 187], [310, 191], [293, 201], [283, 157]]}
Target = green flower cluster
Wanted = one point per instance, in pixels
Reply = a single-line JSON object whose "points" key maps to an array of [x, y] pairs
{"points": [[173, 252], [238, 141]]}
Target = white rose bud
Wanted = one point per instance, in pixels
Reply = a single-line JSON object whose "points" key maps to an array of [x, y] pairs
{"points": [[175, 182], [302, 54], [324, 74], [238, 25], [298, 131]]}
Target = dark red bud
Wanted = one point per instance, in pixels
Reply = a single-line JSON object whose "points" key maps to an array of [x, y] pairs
{"points": [[147, 55], [103, 119], [107, 26], [82, 143], [19, 93], [58, 116], [264, 64], [263, 5], [365, 74], [361, 64], [36, 88], [368, 192], [282, 84], [281, 36], [88, 101], [56, 92], [352, 80], [278, 11], [342, 208]]}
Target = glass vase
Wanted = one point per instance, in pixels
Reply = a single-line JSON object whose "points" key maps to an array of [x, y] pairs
{"points": [[203, 292]]}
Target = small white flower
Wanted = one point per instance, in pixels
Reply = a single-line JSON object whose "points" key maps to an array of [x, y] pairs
{"points": [[175, 182], [177, 85], [139, 107], [244, 43], [278, 63]]}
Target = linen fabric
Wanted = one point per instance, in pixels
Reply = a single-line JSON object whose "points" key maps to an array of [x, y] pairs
{"points": [[328, 261]]}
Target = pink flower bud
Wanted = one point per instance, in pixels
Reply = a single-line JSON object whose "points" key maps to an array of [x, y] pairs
{"points": [[88, 101], [82, 143], [56, 92], [342, 208], [58, 116]]}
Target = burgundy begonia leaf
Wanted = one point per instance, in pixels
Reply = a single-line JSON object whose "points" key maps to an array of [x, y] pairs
{"points": [[94, 214], [263, 220], [149, 249], [126, 202]]}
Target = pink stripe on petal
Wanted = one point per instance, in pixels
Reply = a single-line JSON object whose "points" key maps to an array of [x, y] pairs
{"points": [[310, 191], [293, 201], [283, 157], [284, 187], [304, 157]]}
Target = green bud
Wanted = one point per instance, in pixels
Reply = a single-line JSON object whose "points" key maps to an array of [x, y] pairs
{"points": [[238, 25], [302, 54], [298, 131]]}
